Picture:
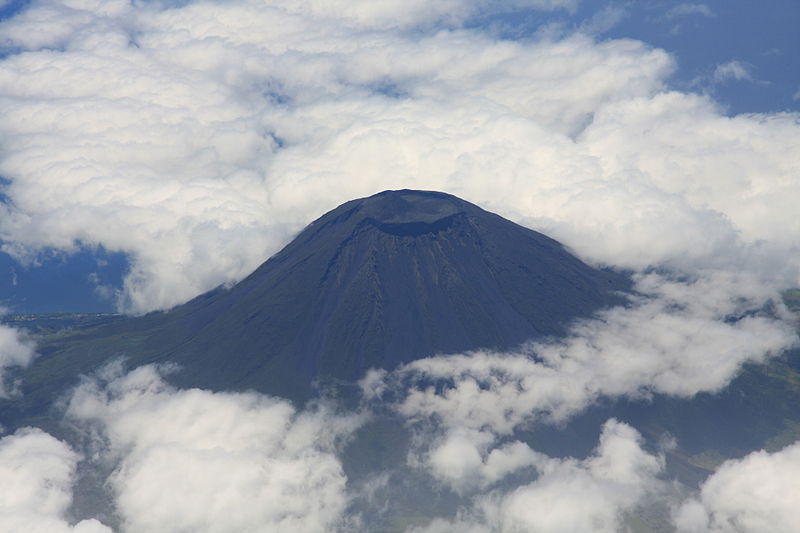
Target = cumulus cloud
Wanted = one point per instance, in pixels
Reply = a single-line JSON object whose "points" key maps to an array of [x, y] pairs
{"points": [[38, 472], [755, 494], [178, 460], [605, 19], [16, 350], [193, 460], [172, 120], [568, 495], [216, 139]]}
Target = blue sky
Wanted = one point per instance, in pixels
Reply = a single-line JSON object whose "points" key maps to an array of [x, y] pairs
{"points": [[762, 38], [741, 54]]}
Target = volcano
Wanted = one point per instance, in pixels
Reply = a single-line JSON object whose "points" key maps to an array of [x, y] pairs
{"points": [[377, 282]]}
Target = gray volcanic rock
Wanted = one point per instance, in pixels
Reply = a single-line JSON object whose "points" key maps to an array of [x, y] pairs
{"points": [[386, 280], [376, 282]]}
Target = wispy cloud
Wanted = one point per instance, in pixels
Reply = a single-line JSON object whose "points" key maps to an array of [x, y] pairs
{"points": [[605, 19], [733, 70], [687, 9]]}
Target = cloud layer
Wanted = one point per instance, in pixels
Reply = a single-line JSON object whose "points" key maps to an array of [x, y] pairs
{"points": [[676, 338], [198, 142], [193, 460], [217, 462]]}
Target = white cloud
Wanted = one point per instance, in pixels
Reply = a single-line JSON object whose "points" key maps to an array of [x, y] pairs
{"points": [[462, 460], [755, 494], [187, 153], [685, 9], [38, 471], [681, 339], [180, 460], [388, 14], [604, 20], [193, 460], [702, 189], [231, 137], [216, 139], [586, 495], [677, 338], [16, 350], [569, 495], [732, 70]]}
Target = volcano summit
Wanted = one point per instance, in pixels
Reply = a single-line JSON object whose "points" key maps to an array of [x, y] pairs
{"points": [[376, 282]]}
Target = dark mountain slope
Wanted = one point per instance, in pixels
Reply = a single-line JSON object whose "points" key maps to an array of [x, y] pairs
{"points": [[376, 282]]}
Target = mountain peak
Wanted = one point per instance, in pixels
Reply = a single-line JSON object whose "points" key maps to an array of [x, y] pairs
{"points": [[390, 278], [403, 212], [409, 206]]}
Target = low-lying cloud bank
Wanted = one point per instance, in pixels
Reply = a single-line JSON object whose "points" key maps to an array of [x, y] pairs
{"points": [[175, 460], [677, 338], [192, 460], [181, 460]]}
